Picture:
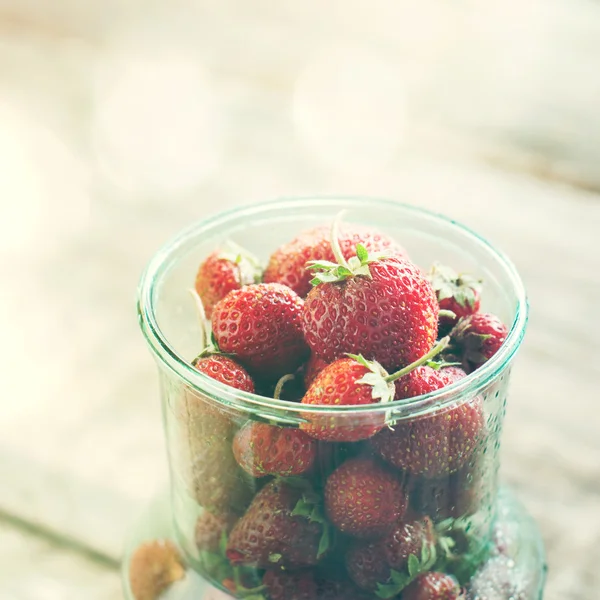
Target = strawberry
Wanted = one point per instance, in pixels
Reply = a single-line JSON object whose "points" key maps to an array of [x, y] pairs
{"points": [[225, 370], [224, 271], [367, 565], [346, 382], [211, 528], [500, 579], [217, 483], [434, 586], [282, 528], [262, 449], [384, 308], [312, 368], [457, 293], [354, 381], [426, 379], [153, 567], [452, 496], [436, 444], [406, 539], [210, 468], [287, 265], [261, 325], [281, 585], [364, 498], [478, 338]]}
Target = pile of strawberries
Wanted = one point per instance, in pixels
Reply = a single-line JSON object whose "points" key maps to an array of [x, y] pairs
{"points": [[343, 505]]}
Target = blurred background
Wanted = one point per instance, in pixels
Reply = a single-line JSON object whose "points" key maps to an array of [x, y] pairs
{"points": [[122, 121]]}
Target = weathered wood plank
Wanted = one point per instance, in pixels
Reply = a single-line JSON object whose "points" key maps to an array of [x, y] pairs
{"points": [[33, 569]]}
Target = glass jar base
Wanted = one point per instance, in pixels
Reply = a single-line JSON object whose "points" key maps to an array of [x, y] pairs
{"points": [[518, 546]]}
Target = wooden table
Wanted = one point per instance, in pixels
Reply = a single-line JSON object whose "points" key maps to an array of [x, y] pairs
{"points": [[84, 206]]}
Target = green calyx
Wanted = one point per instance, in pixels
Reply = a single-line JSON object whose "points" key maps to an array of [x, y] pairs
{"points": [[383, 391], [331, 272], [461, 551], [416, 566], [250, 268], [447, 283], [310, 507]]}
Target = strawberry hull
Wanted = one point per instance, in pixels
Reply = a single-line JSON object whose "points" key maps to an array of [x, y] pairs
{"points": [[299, 471]]}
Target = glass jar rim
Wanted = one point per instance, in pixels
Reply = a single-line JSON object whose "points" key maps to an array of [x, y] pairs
{"points": [[176, 364]]}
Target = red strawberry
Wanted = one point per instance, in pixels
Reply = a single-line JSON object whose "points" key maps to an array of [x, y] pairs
{"points": [[282, 585], [287, 265], [153, 567], [453, 496], [425, 379], [416, 538], [347, 382], [479, 337], [436, 444], [281, 528], [385, 309], [312, 368], [206, 432], [261, 325], [367, 565], [458, 293], [354, 381], [224, 271], [434, 586], [364, 499], [225, 370], [262, 449], [210, 529]]}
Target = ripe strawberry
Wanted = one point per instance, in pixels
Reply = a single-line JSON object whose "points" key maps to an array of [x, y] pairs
{"points": [[312, 368], [153, 567], [460, 294], [364, 499], [287, 265], [347, 382], [282, 585], [210, 529], [367, 565], [385, 309], [216, 482], [500, 579], [425, 379], [224, 271], [282, 528], [436, 444], [478, 338], [452, 496], [354, 381], [262, 449], [261, 325], [434, 586], [405, 539], [208, 465]]}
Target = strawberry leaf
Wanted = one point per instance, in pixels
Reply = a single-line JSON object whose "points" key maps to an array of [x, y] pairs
{"points": [[382, 390], [398, 581], [414, 566], [362, 253]]}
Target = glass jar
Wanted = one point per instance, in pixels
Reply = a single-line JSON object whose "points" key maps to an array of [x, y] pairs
{"points": [[452, 509]]}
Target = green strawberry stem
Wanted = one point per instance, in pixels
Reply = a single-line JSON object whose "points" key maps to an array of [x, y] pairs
{"points": [[335, 240], [280, 385], [439, 347], [447, 313]]}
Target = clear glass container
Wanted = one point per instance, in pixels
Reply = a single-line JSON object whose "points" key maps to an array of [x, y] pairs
{"points": [[210, 493]]}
